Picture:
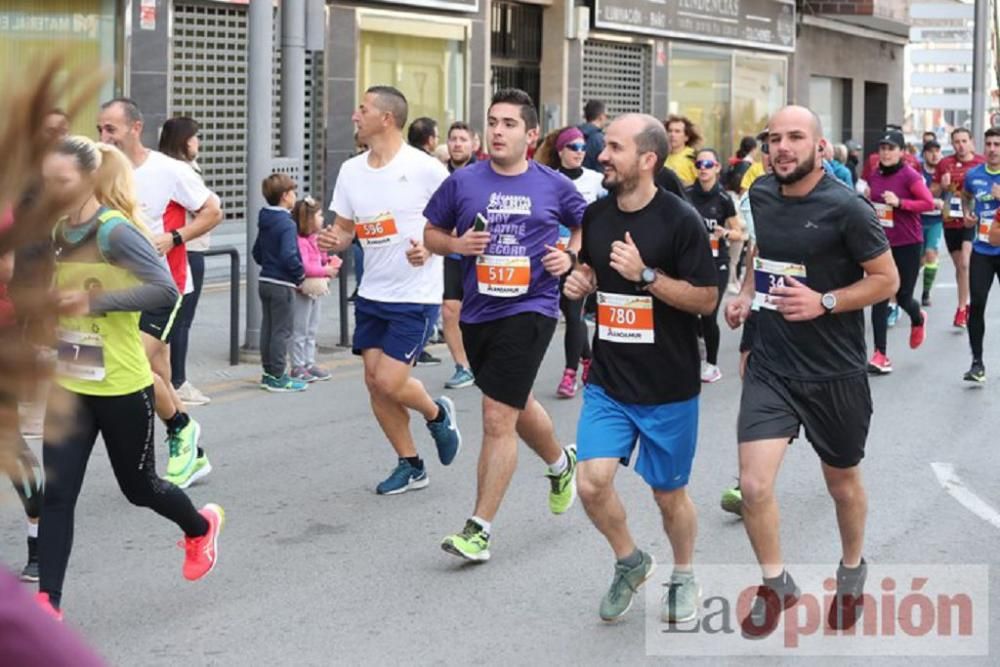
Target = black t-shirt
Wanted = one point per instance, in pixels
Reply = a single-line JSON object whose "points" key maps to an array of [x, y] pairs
{"points": [[669, 181], [832, 231], [715, 207], [671, 237]]}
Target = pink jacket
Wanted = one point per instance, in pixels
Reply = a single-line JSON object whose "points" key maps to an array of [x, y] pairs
{"points": [[313, 259]]}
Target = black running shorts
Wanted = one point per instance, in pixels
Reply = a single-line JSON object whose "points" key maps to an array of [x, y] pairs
{"points": [[954, 238], [505, 355], [835, 413]]}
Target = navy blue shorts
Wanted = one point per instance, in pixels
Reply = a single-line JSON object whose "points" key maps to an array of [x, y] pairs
{"points": [[400, 330], [667, 435]]}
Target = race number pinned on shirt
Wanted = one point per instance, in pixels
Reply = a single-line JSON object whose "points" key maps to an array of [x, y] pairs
{"points": [[955, 207], [625, 319], [768, 274], [80, 355], [713, 241], [503, 277], [985, 222], [377, 232], [884, 213]]}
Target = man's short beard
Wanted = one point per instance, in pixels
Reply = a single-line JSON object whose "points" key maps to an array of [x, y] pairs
{"points": [[800, 172]]}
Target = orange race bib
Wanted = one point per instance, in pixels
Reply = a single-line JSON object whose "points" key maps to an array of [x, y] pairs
{"points": [[985, 222], [714, 242], [623, 318], [503, 277], [377, 232], [884, 213]]}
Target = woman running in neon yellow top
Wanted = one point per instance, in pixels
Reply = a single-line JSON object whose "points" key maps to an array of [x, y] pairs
{"points": [[106, 273]]}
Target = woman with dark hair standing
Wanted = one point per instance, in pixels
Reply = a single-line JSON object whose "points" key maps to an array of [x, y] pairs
{"points": [[564, 151], [179, 140]]}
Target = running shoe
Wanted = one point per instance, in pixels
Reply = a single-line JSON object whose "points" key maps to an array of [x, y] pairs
{"points": [[879, 364], [202, 467], [680, 601], [318, 374], [893, 315], [30, 571], [563, 487], [568, 385], [402, 479], [283, 384], [767, 607], [585, 370], [427, 359], [732, 501], [710, 373], [191, 395], [202, 553], [961, 318], [302, 374], [460, 379], [624, 585], [43, 601], [977, 373], [447, 437], [848, 605], [925, 299], [918, 332], [183, 447], [473, 543]]}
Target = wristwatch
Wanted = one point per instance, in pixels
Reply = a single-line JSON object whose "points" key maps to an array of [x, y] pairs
{"points": [[647, 277], [829, 301], [573, 259], [178, 239]]}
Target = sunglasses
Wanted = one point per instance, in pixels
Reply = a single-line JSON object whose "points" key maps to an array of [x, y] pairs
{"points": [[579, 148], [705, 164]]}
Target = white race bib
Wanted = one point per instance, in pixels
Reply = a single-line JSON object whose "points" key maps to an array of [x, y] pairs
{"points": [[985, 222], [955, 207], [768, 274], [502, 276], [377, 232], [80, 355], [884, 213], [625, 318]]}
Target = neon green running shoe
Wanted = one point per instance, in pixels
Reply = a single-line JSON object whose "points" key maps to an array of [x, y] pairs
{"points": [[183, 446], [563, 491], [732, 501], [202, 467], [473, 543]]}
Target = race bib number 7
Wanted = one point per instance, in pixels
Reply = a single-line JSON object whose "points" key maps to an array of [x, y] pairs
{"points": [[377, 232], [769, 274], [625, 319], [80, 355], [503, 277]]}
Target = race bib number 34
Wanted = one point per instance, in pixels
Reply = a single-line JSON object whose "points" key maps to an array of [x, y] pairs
{"points": [[625, 319], [80, 355], [768, 274], [503, 277], [377, 232]]}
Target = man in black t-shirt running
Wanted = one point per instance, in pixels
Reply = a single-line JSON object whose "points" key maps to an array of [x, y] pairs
{"points": [[820, 258], [646, 254]]}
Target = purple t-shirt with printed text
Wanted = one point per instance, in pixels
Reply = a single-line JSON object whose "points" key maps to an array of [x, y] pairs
{"points": [[524, 213]]}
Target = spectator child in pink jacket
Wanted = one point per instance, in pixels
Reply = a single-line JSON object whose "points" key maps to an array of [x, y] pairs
{"points": [[319, 268]]}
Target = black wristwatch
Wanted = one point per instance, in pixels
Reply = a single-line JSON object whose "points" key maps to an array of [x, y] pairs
{"points": [[647, 277], [178, 239], [573, 259]]}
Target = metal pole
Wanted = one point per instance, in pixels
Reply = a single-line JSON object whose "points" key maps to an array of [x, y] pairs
{"points": [[293, 79], [260, 49], [980, 49]]}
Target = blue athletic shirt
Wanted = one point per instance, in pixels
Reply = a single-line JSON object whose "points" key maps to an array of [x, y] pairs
{"points": [[979, 183], [932, 217]]}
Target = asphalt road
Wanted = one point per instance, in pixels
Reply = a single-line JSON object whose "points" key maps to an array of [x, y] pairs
{"points": [[315, 569]]}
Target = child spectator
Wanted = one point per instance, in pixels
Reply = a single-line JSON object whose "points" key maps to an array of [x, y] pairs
{"points": [[319, 268], [276, 251]]}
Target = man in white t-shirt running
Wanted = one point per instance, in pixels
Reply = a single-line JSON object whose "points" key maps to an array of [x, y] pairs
{"points": [[380, 196], [159, 180]]}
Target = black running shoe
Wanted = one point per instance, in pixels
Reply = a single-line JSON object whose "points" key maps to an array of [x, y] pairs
{"points": [[848, 605], [770, 601]]}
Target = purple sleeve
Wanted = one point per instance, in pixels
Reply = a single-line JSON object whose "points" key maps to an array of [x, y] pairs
{"points": [[573, 205], [920, 199], [440, 210]]}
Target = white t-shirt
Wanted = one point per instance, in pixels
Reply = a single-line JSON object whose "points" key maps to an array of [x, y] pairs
{"points": [[590, 185], [387, 207]]}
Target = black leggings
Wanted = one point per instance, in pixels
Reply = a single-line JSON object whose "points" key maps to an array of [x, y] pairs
{"points": [[982, 269], [908, 263], [184, 318], [576, 342], [709, 324], [26, 474], [126, 424]]}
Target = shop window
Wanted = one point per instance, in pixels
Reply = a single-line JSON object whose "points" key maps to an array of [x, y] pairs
{"points": [[516, 47], [758, 91], [700, 82], [830, 98]]}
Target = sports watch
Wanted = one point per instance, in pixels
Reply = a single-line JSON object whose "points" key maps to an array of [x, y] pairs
{"points": [[647, 277], [829, 301], [177, 238]]}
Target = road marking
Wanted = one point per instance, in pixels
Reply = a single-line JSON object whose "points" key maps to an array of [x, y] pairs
{"points": [[957, 489]]}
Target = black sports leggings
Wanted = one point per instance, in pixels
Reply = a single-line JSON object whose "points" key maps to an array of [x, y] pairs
{"points": [[982, 270], [126, 424], [576, 343], [26, 473], [908, 263], [710, 323]]}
